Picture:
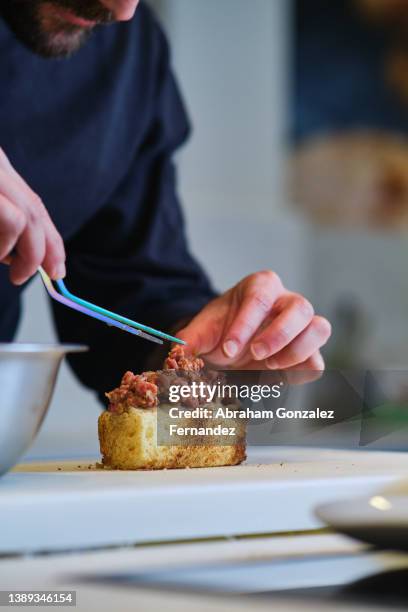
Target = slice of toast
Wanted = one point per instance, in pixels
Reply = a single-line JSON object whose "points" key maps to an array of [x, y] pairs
{"points": [[134, 431], [128, 442]]}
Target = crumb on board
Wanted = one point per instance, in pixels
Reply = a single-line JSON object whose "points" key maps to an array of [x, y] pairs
{"points": [[81, 467]]}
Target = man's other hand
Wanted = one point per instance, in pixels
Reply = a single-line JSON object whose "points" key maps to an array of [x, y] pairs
{"points": [[26, 230], [258, 324]]}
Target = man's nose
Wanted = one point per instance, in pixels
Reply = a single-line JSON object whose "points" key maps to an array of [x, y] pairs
{"points": [[122, 10]]}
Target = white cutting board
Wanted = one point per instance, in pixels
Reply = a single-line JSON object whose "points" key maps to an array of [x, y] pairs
{"points": [[45, 508]]}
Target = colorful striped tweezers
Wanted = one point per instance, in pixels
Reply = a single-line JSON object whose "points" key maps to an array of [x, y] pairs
{"points": [[106, 316]]}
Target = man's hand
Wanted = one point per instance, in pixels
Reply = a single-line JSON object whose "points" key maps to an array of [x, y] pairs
{"points": [[258, 324], [26, 229]]}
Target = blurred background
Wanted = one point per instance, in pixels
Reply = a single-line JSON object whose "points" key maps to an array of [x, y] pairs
{"points": [[298, 163]]}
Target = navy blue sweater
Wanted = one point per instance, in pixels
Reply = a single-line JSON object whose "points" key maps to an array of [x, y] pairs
{"points": [[94, 136]]}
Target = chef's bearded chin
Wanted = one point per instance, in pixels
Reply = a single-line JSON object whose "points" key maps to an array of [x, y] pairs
{"points": [[38, 25]]}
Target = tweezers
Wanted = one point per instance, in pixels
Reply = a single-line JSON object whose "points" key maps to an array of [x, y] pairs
{"points": [[106, 316]]}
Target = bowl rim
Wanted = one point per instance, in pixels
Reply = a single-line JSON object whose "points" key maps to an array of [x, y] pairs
{"points": [[38, 348]]}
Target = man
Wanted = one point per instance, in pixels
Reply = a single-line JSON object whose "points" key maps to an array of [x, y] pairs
{"points": [[90, 117]]}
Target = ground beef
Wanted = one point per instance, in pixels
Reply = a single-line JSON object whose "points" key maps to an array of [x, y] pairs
{"points": [[134, 390], [177, 360], [176, 378], [147, 390]]}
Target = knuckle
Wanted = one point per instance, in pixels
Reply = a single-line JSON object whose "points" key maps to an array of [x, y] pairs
{"points": [[32, 215], [20, 221], [322, 327], [303, 305], [57, 245], [15, 221], [262, 300], [270, 277], [37, 208], [281, 336], [264, 277], [36, 200]]}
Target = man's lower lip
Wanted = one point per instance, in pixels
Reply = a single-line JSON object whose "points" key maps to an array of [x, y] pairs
{"points": [[74, 20]]}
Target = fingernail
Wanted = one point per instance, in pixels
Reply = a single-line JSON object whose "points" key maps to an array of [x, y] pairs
{"points": [[59, 272], [272, 364], [260, 350], [231, 348]]}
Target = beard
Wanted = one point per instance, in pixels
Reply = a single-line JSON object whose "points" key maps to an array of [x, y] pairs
{"points": [[40, 24]]}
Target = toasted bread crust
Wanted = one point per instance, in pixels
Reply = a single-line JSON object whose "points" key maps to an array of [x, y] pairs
{"points": [[128, 442]]}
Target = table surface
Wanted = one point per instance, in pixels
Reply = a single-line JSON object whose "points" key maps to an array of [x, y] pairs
{"points": [[60, 505], [278, 476], [327, 559]]}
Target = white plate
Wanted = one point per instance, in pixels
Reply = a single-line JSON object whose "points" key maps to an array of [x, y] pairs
{"points": [[380, 519]]}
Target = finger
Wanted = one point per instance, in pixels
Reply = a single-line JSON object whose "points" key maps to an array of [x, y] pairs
{"points": [[6, 165], [250, 365], [30, 252], [296, 314], [315, 363], [18, 192], [205, 330], [306, 344], [309, 371], [12, 224], [16, 189], [54, 259], [5, 162], [259, 293]]}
